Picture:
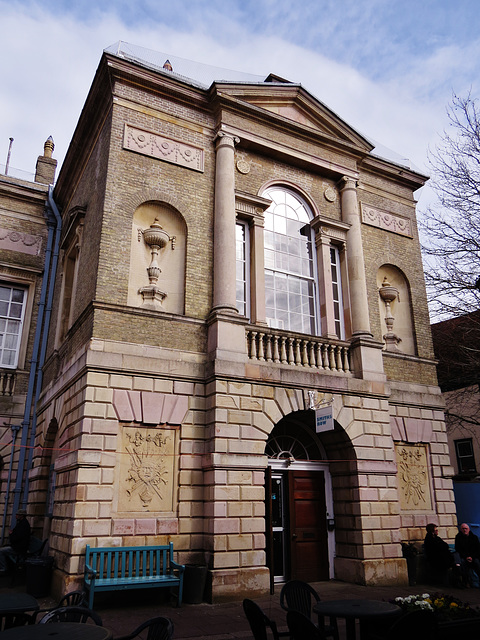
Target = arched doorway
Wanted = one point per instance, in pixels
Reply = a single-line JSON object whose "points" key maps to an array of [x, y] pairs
{"points": [[299, 503]]}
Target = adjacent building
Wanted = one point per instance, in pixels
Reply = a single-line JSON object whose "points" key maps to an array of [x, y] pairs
{"points": [[455, 344], [239, 358], [27, 268]]}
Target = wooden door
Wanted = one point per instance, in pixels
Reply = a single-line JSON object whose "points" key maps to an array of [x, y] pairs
{"points": [[308, 526]]}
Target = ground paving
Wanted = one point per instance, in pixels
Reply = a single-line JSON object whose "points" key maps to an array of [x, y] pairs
{"points": [[123, 612]]}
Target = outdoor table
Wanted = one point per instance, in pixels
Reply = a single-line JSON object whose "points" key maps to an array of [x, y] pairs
{"points": [[17, 603], [351, 610], [58, 631]]}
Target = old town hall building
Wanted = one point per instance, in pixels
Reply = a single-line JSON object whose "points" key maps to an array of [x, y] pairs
{"points": [[239, 357]]}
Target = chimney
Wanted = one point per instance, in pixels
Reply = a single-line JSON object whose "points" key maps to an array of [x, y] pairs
{"points": [[46, 165]]}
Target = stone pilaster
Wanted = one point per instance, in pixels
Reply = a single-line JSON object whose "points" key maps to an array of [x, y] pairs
{"points": [[224, 299], [355, 264], [365, 352]]}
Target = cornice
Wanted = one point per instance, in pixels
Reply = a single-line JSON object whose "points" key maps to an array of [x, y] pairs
{"points": [[286, 153], [391, 170]]}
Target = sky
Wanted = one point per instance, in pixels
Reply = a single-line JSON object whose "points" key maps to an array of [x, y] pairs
{"points": [[386, 67]]}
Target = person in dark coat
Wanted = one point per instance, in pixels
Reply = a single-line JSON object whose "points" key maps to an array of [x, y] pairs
{"points": [[19, 540], [467, 546], [437, 550]]}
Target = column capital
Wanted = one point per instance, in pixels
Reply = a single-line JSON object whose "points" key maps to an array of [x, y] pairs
{"points": [[347, 182], [224, 139]]}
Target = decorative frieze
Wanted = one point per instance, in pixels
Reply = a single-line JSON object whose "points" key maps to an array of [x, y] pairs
{"points": [[162, 148], [19, 241], [387, 221]]}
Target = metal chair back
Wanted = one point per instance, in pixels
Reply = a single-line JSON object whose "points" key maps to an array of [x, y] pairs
{"points": [[72, 614], [260, 623], [160, 628], [10, 620], [73, 599], [297, 595]]}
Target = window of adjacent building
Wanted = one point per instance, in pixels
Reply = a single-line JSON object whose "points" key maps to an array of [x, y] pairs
{"points": [[12, 313], [243, 272], [289, 263], [465, 456]]}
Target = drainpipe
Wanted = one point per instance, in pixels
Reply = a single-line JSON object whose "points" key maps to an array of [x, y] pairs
{"points": [[54, 228], [51, 209], [15, 429]]}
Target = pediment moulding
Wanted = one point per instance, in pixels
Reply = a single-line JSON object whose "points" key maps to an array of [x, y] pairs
{"points": [[293, 103]]}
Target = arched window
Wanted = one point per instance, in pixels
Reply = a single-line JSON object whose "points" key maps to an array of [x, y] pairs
{"points": [[289, 263]]}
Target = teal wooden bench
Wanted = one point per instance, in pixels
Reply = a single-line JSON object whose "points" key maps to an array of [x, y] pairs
{"points": [[121, 568]]}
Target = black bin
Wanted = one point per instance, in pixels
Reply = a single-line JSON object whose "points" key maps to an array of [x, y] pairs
{"points": [[194, 580], [39, 575]]}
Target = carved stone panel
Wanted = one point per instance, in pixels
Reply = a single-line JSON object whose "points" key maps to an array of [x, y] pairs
{"points": [[158, 146], [387, 221], [20, 241], [413, 477], [147, 464]]}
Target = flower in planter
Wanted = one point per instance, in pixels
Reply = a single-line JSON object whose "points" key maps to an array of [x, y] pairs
{"points": [[445, 607]]}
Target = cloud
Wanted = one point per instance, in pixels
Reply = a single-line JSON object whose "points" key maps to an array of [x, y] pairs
{"points": [[352, 56]]}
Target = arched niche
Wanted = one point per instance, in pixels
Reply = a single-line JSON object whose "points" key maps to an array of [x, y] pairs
{"points": [[395, 308], [168, 281]]}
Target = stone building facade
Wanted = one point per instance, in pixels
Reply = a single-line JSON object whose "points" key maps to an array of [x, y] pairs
{"points": [[240, 358]]}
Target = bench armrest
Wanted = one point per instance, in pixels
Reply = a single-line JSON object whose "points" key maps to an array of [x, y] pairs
{"points": [[179, 567], [91, 572]]}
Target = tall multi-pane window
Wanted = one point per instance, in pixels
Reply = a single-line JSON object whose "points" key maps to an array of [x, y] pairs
{"points": [[242, 278], [337, 292], [12, 311], [289, 265]]}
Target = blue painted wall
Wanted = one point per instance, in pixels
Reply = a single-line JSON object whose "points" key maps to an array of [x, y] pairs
{"points": [[467, 500]]}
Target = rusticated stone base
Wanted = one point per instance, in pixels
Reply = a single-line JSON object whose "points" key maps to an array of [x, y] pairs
{"points": [[389, 571], [235, 584]]}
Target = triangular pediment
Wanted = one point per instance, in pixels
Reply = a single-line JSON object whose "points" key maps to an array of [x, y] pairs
{"points": [[292, 102]]}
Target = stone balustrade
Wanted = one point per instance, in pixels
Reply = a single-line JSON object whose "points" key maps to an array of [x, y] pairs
{"points": [[7, 382], [271, 345]]}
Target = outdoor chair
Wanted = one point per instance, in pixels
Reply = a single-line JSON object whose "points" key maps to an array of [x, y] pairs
{"points": [[302, 628], [73, 599], [10, 620], [158, 629], [71, 614], [297, 595], [260, 623]]}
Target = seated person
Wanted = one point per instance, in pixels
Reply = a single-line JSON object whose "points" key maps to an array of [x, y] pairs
{"points": [[19, 540], [467, 547], [437, 553]]}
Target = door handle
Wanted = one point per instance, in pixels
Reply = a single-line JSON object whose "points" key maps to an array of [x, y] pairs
{"points": [[294, 536]]}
